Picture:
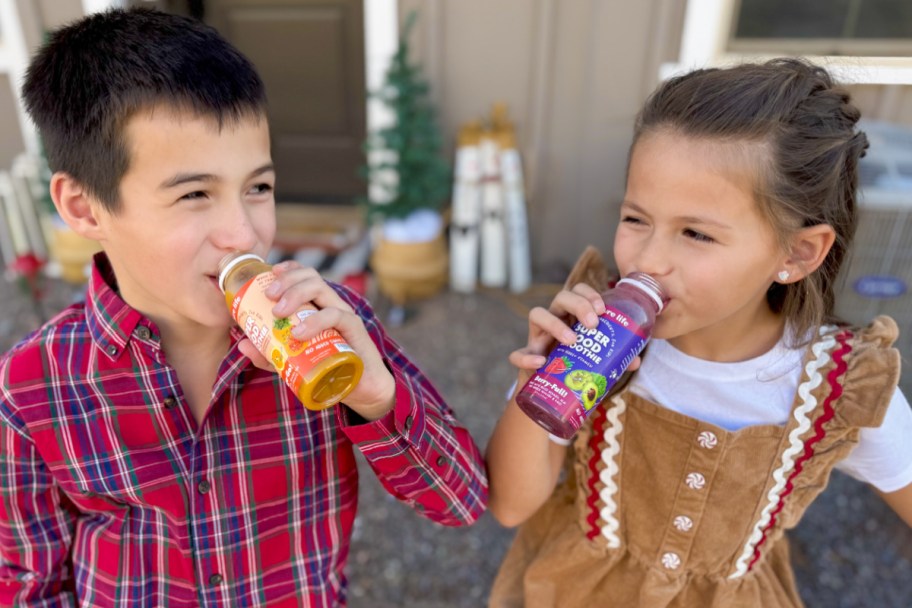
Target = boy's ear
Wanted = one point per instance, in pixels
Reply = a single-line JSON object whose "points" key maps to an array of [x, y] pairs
{"points": [[809, 249], [76, 206]]}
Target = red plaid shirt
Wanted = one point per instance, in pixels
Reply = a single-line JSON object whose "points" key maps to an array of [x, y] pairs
{"points": [[111, 495]]}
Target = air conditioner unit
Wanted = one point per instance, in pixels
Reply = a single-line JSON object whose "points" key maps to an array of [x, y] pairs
{"points": [[877, 277]]}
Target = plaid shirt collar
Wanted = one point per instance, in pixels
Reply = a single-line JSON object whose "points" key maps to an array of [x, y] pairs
{"points": [[112, 322]]}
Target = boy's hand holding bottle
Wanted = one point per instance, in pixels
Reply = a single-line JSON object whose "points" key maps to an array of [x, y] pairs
{"points": [[296, 287]]}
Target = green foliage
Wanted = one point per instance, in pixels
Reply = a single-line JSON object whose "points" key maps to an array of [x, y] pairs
{"points": [[411, 145]]}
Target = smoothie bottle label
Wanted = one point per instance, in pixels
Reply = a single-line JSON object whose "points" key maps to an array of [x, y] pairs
{"points": [[583, 374], [292, 358]]}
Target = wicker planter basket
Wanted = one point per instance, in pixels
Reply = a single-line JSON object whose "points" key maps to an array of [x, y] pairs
{"points": [[410, 271]]}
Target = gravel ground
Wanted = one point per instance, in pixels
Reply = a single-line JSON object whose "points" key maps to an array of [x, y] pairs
{"points": [[850, 551]]}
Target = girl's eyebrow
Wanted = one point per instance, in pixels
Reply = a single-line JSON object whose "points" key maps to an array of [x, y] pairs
{"points": [[687, 219]]}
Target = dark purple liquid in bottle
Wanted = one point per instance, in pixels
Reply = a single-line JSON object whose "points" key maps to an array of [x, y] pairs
{"points": [[575, 379]]}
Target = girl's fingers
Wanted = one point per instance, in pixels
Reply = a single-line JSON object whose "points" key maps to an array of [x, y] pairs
{"points": [[582, 302], [524, 359], [594, 297], [545, 327]]}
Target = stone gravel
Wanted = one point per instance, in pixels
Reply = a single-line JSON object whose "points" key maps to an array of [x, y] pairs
{"points": [[850, 551]]}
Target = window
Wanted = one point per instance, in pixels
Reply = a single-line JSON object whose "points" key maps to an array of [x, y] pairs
{"points": [[823, 27]]}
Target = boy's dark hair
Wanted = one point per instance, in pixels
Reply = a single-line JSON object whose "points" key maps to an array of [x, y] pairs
{"points": [[799, 129], [92, 76]]}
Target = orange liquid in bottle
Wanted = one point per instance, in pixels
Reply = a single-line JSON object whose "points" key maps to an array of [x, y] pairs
{"points": [[321, 371]]}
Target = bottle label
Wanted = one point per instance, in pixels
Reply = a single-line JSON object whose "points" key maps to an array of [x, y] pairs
{"points": [[576, 378], [292, 358]]}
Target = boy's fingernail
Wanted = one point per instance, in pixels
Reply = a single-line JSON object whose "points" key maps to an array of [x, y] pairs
{"points": [[569, 337], [272, 290], [298, 330], [591, 320], [279, 308]]}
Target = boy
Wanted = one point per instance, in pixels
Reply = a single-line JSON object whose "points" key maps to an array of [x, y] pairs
{"points": [[145, 460]]}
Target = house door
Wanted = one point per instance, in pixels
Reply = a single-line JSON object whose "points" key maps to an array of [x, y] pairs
{"points": [[310, 54]]}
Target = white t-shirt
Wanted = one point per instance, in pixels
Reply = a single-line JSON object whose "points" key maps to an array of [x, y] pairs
{"points": [[762, 391]]}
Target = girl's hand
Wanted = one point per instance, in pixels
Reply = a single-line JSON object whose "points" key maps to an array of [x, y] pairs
{"points": [[546, 326], [297, 286]]}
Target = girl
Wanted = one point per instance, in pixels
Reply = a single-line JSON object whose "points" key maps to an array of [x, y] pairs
{"points": [[740, 201]]}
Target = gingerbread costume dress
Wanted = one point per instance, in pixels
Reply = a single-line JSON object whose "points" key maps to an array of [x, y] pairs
{"points": [[659, 509]]}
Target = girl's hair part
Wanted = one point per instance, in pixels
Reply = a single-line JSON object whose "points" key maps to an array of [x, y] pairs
{"points": [[791, 116]]}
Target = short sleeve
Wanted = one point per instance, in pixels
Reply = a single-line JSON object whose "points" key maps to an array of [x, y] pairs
{"points": [[871, 375], [883, 456]]}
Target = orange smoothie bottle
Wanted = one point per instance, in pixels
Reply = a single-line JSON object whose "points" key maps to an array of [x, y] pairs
{"points": [[322, 371]]}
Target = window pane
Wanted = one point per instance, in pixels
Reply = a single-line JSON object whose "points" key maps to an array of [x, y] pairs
{"points": [[884, 19], [790, 19]]}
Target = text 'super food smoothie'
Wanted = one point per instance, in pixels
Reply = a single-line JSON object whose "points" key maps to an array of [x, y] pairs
{"points": [[576, 378]]}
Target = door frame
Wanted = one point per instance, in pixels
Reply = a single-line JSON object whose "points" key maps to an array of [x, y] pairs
{"points": [[381, 37]]}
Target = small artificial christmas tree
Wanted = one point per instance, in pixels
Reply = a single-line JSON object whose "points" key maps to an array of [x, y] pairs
{"points": [[405, 164]]}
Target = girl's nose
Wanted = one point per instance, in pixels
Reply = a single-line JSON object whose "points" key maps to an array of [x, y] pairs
{"points": [[655, 258]]}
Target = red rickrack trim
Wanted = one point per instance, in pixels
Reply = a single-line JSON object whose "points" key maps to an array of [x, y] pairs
{"points": [[809, 445], [598, 431]]}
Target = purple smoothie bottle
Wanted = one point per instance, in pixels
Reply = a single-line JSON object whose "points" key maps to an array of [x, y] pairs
{"points": [[576, 378]]}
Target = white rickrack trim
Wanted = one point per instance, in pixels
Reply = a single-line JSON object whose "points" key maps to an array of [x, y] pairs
{"points": [[821, 351], [606, 476]]}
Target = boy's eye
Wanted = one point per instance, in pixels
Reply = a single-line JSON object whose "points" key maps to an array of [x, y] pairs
{"points": [[698, 236], [261, 189], [631, 219]]}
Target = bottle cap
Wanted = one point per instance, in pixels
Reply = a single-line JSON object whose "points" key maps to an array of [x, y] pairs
{"points": [[647, 285], [227, 263]]}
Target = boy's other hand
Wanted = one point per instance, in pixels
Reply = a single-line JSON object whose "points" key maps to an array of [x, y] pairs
{"points": [[297, 286]]}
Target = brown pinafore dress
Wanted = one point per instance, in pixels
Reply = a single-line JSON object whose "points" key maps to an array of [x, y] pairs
{"points": [[662, 510]]}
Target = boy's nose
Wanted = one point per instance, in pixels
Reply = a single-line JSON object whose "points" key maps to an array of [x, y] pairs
{"points": [[235, 230]]}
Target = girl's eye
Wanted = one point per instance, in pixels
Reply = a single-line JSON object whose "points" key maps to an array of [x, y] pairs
{"points": [[629, 219], [193, 195], [698, 236]]}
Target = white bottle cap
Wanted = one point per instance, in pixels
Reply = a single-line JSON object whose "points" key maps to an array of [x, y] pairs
{"points": [[653, 291], [225, 267]]}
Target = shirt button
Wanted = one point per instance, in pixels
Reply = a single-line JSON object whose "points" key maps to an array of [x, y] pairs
{"points": [[408, 421], [708, 440], [216, 579], [143, 333], [111, 349], [683, 523], [170, 403], [671, 561], [695, 481], [203, 487], [441, 461]]}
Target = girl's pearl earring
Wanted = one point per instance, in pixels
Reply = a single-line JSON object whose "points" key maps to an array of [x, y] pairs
{"points": [[783, 275]]}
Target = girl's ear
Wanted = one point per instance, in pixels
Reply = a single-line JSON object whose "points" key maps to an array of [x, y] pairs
{"points": [[809, 249], [76, 206]]}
